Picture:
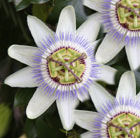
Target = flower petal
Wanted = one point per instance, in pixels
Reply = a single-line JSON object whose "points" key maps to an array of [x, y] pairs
{"points": [[67, 21], [99, 96], [138, 96], [87, 135], [90, 28], [127, 85], [21, 78], [22, 53], [108, 49], [93, 4], [133, 53], [39, 103], [85, 119], [66, 108], [106, 74], [38, 29]]}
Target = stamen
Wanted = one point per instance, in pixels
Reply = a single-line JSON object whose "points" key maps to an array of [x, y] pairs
{"points": [[63, 64], [128, 12], [129, 9], [135, 125], [124, 124], [83, 56], [120, 128]]}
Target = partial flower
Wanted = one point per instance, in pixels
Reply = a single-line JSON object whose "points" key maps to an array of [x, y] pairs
{"points": [[116, 117], [62, 66], [121, 20]]}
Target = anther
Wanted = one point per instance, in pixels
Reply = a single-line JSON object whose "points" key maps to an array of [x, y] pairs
{"points": [[83, 56], [120, 128]]}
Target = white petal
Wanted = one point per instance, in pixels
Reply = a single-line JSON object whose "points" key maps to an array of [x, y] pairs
{"points": [[87, 135], [67, 21], [90, 28], [83, 97], [127, 85], [21, 78], [95, 44], [138, 96], [93, 4], [38, 29], [133, 53], [39, 103], [21, 53], [106, 74], [85, 119], [66, 108], [108, 50], [99, 96]]}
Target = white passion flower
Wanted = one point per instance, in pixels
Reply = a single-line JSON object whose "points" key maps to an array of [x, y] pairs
{"points": [[116, 117], [62, 66], [121, 20]]}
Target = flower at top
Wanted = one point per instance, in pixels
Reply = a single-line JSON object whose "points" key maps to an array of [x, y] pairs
{"points": [[116, 117], [121, 20], [62, 66]]}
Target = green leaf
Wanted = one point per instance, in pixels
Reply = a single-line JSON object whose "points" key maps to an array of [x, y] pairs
{"points": [[5, 119], [38, 1], [23, 96], [22, 5], [41, 11], [137, 76], [30, 129]]}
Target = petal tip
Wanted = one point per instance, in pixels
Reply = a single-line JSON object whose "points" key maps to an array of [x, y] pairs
{"points": [[99, 59], [68, 127], [8, 81], [12, 50], [31, 19], [69, 7], [30, 114]]}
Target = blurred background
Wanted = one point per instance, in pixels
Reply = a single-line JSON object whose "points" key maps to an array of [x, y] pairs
{"points": [[13, 101]]}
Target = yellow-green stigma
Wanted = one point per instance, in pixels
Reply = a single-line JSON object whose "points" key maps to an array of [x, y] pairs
{"points": [[66, 66], [128, 12], [124, 125]]}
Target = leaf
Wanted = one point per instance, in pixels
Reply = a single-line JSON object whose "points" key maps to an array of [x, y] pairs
{"points": [[30, 128], [22, 5], [137, 76], [23, 96], [39, 1], [41, 11], [5, 119]]}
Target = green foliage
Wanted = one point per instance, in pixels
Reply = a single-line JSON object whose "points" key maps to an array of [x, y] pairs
{"points": [[5, 119], [22, 4], [39, 10], [22, 97]]}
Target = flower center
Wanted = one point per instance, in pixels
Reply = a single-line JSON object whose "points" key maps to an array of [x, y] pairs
{"points": [[124, 125], [128, 12], [66, 66]]}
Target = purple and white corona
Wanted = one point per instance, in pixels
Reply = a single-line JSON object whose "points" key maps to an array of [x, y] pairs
{"points": [[62, 66]]}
